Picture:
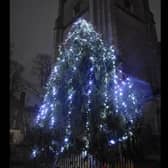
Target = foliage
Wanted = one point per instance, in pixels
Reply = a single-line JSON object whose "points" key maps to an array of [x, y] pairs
{"points": [[88, 97]]}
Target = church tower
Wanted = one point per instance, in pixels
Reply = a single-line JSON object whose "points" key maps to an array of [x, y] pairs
{"points": [[126, 24]]}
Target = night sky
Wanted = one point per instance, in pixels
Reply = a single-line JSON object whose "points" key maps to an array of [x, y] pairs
{"points": [[31, 29]]}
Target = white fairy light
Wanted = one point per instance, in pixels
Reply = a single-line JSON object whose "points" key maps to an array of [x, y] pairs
{"points": [[112, 142]]}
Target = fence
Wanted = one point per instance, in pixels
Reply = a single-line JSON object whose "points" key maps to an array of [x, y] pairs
{"points": [[78, 161]]}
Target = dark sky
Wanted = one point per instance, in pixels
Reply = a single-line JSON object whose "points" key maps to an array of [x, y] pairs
{"points": [[31, 28]]}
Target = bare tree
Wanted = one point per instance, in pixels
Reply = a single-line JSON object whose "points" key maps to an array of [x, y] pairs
{"points": [[16, 70], [42, 67]]}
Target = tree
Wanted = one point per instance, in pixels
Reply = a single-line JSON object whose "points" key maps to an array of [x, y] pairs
{"points": [[42, 67], [87, 85], [16, 70]]}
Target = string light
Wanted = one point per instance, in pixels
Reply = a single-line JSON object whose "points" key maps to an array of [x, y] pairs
{"points": [[116, 94], [112, 142]]}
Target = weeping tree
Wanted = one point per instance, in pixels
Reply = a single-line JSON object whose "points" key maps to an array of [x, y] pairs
{"points": [[88, 96]]}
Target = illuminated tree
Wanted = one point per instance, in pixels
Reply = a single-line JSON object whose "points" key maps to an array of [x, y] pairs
{"points": [[87, 85]]}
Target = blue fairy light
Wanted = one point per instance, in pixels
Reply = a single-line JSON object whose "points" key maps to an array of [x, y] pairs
{"points": [[34, 153], [89, 91], [124, 137], [112, 142], [66, 140], [74, 68], [104, 77], [91, 69], [55, 69], [70, 97], [90, 82], [62, 149]]}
